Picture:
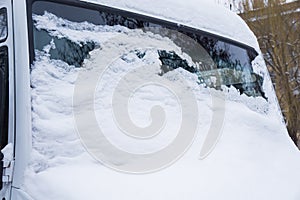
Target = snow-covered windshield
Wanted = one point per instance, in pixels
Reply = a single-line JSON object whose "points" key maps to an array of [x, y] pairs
{"points": [[96, 68], [73, 37]]}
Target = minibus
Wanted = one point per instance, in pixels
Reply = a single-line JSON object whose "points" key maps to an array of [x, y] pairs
{"points": [[138, 100]]}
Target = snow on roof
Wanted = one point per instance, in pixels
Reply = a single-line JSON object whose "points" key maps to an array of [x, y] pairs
{"points": [[204, 15]]}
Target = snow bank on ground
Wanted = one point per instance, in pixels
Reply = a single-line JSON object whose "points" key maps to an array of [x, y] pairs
{"points": [[254, 158]]}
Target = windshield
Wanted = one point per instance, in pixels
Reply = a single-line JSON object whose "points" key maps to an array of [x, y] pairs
{"points": [[133, 77], [72, 37], [114, 91]]}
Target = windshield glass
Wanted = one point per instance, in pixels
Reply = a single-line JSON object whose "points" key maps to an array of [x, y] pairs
{"points": [[126, 101], [220, 63], [117, 69]]}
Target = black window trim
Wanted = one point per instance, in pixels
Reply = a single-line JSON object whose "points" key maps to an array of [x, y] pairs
{"points": [[4, 10], [129, 14], [4, 136]]}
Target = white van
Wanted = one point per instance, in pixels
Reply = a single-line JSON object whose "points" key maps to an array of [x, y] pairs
{"points": [[138, 100]]}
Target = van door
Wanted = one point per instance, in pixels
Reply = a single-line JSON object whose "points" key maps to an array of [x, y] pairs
{"points": [[6, 99]]}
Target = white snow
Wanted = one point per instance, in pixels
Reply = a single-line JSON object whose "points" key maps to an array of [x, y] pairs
{"points": [[237, 5], [254, 158], [204, 14]]}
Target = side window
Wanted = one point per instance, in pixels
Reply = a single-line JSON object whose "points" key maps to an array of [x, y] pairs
{"points": [[4, 96], [3, 24]]}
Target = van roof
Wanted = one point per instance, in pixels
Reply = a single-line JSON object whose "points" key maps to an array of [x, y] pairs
{"points": [[204, 15]]}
